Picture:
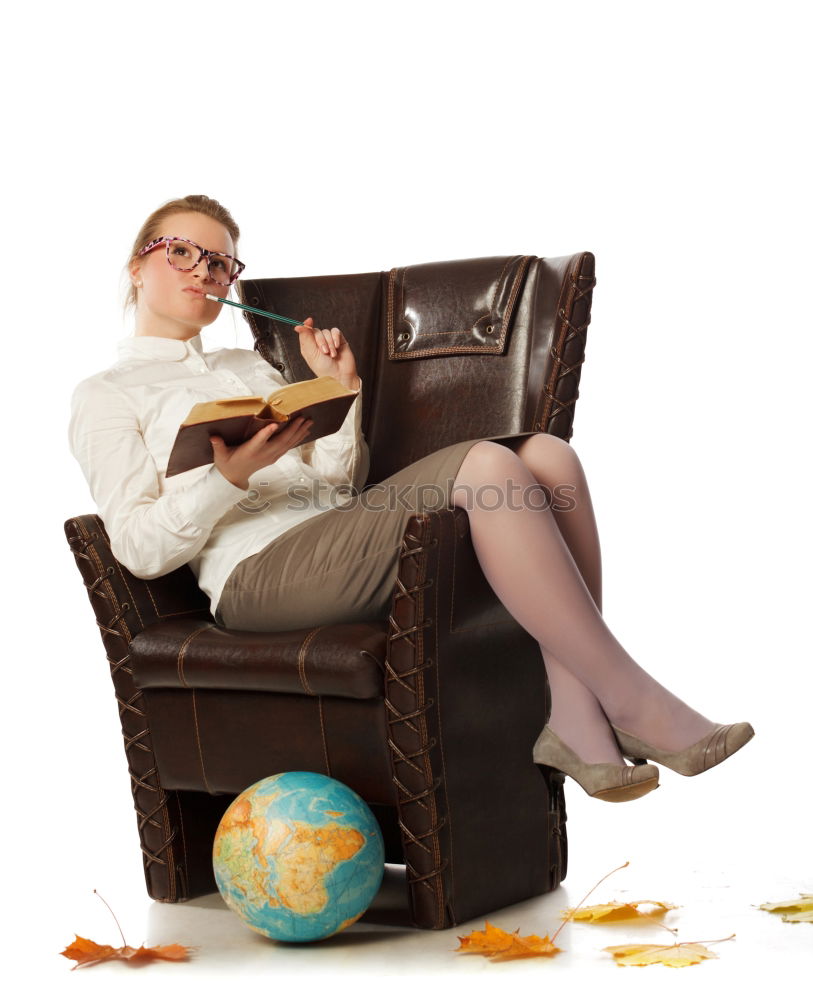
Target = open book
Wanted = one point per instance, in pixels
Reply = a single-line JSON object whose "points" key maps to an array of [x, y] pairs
{"points": [[323, 400]]}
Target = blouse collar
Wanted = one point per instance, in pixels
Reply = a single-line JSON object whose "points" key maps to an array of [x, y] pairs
{"points": [[159, 348]]}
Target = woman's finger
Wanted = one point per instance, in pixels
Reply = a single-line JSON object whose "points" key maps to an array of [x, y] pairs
{"points": [[328, 341], [303, 432], [295, 427], [306, 327]]}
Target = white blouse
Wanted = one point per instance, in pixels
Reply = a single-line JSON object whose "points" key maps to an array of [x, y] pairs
{"points": [[122, 428]]}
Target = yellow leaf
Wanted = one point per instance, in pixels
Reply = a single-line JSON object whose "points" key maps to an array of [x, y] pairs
{"points": [[794, 911], [674, 955], [616, 911]]}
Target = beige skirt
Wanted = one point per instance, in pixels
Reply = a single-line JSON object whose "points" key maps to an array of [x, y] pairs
{"points": [[340, 566]]}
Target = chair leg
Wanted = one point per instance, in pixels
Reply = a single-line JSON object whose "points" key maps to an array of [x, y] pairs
{"points": [[183, 870]]}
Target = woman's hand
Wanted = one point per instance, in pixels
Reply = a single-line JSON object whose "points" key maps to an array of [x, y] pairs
{"points": [[326, 352], [238, 462]]}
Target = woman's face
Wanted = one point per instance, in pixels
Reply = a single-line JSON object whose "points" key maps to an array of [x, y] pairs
{"points": [[170, 303]]}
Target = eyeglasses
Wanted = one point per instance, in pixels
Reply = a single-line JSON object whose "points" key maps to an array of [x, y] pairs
{"points": [[184, 255]]}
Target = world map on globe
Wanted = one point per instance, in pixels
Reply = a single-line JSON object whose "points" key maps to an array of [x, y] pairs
{"points": [[298, 856]]}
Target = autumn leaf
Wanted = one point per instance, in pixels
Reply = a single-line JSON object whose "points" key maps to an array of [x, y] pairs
{"points": [[83, 951], [530, 946], [794, 911], [614, 910], [488, 942], [502, 945], [674, 955]]}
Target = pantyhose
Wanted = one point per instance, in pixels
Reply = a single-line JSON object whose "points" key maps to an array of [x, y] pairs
{"points": [[544, 564]]}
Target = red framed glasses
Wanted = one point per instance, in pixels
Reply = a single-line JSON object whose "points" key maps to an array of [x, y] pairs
{"points": [[185, 255]]}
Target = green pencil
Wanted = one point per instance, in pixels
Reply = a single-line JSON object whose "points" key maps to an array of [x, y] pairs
{"points": [[253, 309]]}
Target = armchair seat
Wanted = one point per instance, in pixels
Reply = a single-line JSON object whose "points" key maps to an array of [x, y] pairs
{"points": [[345, 661], [429, 715]]}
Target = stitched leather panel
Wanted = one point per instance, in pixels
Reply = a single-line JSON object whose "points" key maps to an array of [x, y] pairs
{"points": [[223, 741], [452, 307]]}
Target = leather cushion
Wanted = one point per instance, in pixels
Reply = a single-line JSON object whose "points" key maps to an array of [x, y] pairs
{"points": [[340, 660]]}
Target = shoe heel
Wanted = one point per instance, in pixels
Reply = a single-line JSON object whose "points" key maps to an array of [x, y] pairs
{"points": [[552, 775], [611, 782]]}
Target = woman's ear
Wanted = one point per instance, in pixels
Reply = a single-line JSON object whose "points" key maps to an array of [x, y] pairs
{"points": [[135, 274]]}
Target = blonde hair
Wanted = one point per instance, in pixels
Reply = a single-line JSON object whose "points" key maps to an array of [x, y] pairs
{"points": [[151, 229]]}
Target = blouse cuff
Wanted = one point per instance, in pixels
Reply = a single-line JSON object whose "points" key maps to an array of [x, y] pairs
{"points": [[219, 495]]}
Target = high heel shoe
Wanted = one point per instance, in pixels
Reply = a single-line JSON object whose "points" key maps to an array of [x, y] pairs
{"points": [[713, 748], [611, 782]]}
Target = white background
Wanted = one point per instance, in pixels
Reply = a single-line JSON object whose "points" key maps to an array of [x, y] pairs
{"points": [[668, 139]]}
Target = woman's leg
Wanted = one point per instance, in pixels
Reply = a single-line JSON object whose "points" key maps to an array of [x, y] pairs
{"points": [[525, 551], [576, 714], [556, 467]]}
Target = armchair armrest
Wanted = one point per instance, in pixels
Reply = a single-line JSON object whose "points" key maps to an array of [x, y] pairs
{"points": [[124, 605], [466, 696], [120, 599]]}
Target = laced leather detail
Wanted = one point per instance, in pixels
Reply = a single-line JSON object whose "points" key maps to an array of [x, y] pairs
{"points": [[410, 746], [573, 319], [157, 832]]}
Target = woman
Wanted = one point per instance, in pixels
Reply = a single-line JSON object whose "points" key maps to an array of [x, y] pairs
{"points": [[269, 564]]}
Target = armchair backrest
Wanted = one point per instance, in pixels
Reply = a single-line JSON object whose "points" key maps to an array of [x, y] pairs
{"points": [[447, 351]]}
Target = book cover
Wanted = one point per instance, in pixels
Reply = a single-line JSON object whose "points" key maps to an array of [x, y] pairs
{"points": [[323, 400]]}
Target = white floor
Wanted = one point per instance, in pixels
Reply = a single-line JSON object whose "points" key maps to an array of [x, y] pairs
{"points": [[717, 845]]}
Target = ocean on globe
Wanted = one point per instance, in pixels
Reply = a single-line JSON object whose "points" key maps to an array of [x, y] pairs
{"points": [[299, 856]]}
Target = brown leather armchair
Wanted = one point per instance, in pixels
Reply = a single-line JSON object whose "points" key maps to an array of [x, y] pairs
{"points": [[430, 715]]}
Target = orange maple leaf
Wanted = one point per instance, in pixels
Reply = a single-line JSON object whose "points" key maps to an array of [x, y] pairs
{"points": [[529, 946], [83, 951], [487, 942], [502, 946]]}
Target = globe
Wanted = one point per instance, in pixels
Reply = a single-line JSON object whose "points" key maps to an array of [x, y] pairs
{"points": [[298, 856]]}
